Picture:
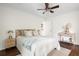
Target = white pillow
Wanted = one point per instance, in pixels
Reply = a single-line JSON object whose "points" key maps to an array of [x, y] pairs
{"points": [[36, 33], [28, 33]]}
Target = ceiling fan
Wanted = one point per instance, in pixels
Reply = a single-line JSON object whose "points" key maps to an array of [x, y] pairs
{"points": [[48, 8]]}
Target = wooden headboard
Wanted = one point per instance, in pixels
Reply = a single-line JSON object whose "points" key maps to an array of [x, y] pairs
{"points": [[20, 32]]}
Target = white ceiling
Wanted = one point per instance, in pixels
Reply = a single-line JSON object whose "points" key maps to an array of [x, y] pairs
{"points": [[32, 8]]}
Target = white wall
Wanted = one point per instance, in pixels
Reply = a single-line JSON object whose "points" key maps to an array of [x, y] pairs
{"points": [[12, 19], [59, 21], [46, 30], [0, 27]]}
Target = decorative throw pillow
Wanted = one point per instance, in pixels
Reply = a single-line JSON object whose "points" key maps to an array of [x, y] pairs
{"points": [[36, 33], [28, 33]]}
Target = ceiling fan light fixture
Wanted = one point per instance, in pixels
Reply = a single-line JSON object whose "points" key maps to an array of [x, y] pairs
{"points": [[48, 8]]}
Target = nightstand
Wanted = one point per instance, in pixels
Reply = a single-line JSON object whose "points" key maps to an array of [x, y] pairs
{"points": [[10, 43]]}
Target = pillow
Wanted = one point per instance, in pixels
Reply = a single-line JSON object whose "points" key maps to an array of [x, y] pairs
{"points": [[36, 33], [28, 33]]}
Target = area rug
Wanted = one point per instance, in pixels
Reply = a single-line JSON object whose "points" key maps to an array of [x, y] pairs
{"points": [[61, 52]]}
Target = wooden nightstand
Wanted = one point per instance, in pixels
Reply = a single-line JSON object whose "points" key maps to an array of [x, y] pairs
{"points": [[10, 43]]}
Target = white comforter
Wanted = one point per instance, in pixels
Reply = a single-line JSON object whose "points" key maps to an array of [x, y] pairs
{"points": [[38, 46]]}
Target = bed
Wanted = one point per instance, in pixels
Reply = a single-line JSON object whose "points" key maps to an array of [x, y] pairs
{"points": [[35, 45]]}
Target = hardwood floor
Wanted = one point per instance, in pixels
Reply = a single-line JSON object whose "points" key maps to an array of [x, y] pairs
{"points": [[14, 51], [74, 51], [74, 48], [9, 52]]}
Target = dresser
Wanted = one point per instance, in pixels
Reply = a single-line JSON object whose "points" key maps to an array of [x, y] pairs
{"points": [[9, 43], [67, 37]]}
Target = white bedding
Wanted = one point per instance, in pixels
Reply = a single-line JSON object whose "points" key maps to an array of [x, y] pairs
{"points": [[39, 46]]}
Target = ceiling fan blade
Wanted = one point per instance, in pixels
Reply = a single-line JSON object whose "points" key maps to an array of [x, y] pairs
{"points": [[46, 5], [40, 9], [51, 11], [57, 6]]}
